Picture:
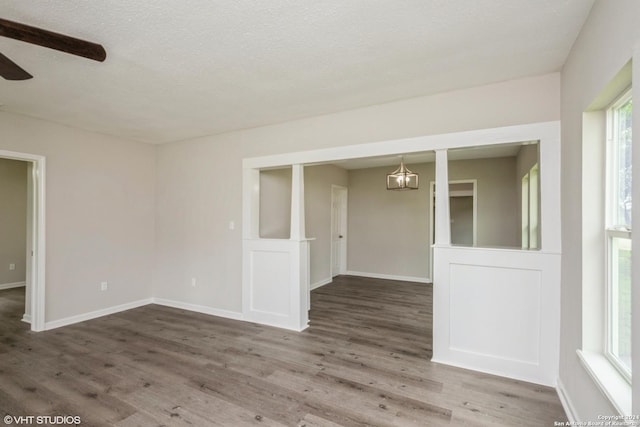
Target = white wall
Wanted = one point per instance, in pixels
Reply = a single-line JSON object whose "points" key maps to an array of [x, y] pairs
{"points": [[13, 220], [99, 214], [195, 204], [606, 42]]}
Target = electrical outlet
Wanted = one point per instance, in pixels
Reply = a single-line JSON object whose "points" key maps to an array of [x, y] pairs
{"points": [[104, 286], [12, 266], [193, 282]]}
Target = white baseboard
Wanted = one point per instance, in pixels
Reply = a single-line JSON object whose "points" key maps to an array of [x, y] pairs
{"points": [[567, 405], [320, 283], [235, 315], [12, 285], [94, 314], [135, 304], [26, 318], [389, 277]]}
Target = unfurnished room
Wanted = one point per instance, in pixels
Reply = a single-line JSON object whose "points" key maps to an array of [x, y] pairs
{"points": [[327, 213]]}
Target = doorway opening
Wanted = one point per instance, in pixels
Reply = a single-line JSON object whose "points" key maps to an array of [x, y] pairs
{"points": [[34, 249], [13, 241], [463, 211]]}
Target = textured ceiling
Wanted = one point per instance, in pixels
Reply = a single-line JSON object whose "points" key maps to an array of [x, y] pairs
{"points": [[177, 70]]}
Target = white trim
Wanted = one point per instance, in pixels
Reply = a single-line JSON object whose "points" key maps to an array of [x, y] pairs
{"points": [[339, 191], [389, 276], [95, 314], [26, 318], [608, 379], [471, 138], [498, 372], [548, 133], [567, 404], [321, 283], [38, 243], [12, 285], [234, 315]]}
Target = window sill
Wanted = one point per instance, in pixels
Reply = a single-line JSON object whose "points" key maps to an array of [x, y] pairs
{"points": [[610, 382]]}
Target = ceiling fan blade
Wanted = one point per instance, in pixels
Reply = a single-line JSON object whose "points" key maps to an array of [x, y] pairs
{"points": [[12, 71], [52, 40]]}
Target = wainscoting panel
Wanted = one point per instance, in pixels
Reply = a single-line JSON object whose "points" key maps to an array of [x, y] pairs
{"points": [[475, 290], [276, 282], [271, 275], [498, 311]]}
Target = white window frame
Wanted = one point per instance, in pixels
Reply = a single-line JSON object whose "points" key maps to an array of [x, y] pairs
{"points": [[530, 208], [612, 231]]}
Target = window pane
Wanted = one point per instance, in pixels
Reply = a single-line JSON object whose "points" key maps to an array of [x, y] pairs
{"points": [[620, 301], [622, 165]]}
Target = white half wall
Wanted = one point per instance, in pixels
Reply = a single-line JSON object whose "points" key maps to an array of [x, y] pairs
{"points": [[276, 286], [497, 311]]}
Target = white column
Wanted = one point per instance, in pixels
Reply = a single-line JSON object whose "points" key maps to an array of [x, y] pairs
{"points": [[298, 231], [442, 221]]}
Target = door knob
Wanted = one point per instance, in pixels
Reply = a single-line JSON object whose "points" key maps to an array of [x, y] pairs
{"points": [[340, 236]]}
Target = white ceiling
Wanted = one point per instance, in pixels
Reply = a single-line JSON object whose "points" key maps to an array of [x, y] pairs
{"points": [[177, 70]]}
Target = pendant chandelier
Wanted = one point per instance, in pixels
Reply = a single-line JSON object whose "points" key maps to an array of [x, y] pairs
{"points": [[402, 179]]}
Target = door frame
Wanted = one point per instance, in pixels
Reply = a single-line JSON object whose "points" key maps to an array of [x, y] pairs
{"points": [[474, 194], [342, 192], [36, 226]]}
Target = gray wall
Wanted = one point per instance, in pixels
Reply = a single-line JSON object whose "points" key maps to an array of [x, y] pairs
{"points": [[389, 230], [275, 203], [13, 220], [317, 184], [498, 223]]}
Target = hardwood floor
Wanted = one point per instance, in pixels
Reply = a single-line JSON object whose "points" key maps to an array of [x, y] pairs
{"points": [[363, 361]]}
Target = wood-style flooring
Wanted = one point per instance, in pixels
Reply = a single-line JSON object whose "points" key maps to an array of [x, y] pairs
{"points": [[363, 361]]}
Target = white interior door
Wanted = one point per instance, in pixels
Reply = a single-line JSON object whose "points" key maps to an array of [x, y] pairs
{"points": [[338, 230]]}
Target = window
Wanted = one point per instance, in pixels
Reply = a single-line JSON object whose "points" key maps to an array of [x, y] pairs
{"points": [[618, 235], [530, 208]]}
